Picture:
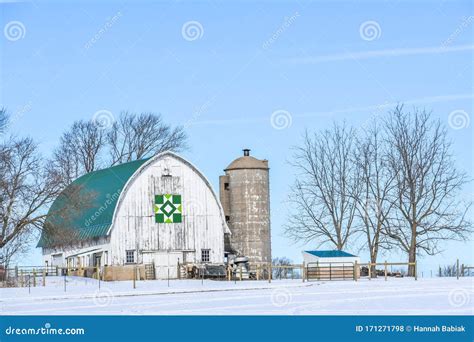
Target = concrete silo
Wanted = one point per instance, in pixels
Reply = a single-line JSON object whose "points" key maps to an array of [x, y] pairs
{"points": [[245, 197]]}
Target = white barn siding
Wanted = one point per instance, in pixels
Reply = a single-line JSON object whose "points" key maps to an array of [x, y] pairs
{"points": [[134, 226]]}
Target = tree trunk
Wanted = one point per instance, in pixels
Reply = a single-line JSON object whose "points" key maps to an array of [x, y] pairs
{"points": [[373, 268], [411, 259]]}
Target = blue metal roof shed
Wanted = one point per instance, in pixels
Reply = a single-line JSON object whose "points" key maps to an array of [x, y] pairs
{"points": [[330, 254]]}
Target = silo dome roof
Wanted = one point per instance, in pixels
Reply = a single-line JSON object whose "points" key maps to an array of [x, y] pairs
{"points": [[247, 162]]}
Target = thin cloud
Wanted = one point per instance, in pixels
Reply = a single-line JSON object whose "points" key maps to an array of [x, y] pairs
{"points": [[422, 100], [377, 107], [381, 53]]}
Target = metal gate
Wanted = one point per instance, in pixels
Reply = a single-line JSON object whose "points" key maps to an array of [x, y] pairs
{"points": [[330, 271]]}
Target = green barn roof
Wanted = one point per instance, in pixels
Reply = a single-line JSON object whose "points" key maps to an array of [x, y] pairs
{"points": [[86, 207]]}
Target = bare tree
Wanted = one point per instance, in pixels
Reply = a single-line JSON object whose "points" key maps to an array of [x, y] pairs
{"points": [[281, 272], [3, 120], [16, 248], [87, 146], [135, 137], [376, 183], [25, 190], [79, 151], [427, 185], [322, 200]]}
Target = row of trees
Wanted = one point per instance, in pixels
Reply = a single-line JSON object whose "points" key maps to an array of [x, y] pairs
{"points": [[394, 183], [29, 182]]}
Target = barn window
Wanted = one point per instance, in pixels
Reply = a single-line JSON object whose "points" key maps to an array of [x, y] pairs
{"points": [[227, 218], [130, 257], [226, 186], [205, 255]]}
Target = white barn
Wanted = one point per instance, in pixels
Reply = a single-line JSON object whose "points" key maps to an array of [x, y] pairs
{"points": [[160, 211]]}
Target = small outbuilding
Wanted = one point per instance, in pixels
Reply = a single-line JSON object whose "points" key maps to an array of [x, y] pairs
{"points": [[332, 256]]}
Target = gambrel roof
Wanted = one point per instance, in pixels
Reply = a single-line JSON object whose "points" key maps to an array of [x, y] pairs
{"points": [[86, 208], [88, 204]]}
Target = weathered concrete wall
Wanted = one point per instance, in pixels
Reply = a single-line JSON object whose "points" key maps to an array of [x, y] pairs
{"points": [[248, 205]]}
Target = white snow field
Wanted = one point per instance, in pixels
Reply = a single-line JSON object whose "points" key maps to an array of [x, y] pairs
{"points": [[399, 296]]}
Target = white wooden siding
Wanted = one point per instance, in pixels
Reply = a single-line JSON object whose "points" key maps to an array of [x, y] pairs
{"points": [[134, 225]]}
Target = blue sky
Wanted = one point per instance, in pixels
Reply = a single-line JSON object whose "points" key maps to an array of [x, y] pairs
{"points": [[313, 61]]}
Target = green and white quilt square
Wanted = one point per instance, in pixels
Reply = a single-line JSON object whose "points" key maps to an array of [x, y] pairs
{"points": [[168, 208]]}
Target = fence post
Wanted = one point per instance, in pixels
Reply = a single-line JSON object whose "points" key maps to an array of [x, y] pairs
{"points": [[355, 270], [134, 276], [416, 271], [240, 273], [44, 277], [258, 272], [34, 277], [369, 268], [318, 270], [303, 271], [269, 272], [457, 269], [22, 280], [385, 271]]}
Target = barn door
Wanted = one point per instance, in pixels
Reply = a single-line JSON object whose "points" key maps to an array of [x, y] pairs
{"points": [[167, 262]]}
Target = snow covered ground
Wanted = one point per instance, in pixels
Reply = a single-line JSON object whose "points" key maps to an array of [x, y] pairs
{"points": [[433, 296]]}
